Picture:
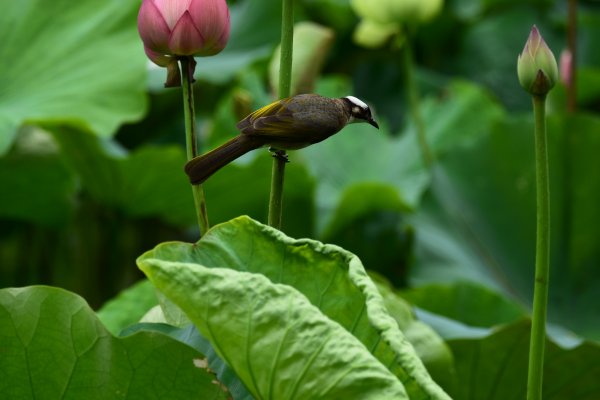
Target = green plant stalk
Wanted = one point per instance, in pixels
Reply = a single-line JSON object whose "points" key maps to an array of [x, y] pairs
{"points": [[542, 254], [414, 100], [190, 139], [276, 197], [285, 82]]}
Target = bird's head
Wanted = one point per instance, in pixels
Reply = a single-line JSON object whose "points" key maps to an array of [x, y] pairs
{"points": [[359, 111]]}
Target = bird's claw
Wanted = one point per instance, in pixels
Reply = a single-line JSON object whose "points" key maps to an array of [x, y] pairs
{"points": [[281, 155]]}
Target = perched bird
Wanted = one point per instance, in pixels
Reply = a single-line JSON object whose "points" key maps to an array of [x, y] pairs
{"points": [[288, 124]]}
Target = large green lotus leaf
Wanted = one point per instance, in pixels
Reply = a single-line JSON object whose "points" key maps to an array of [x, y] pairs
{"points": [[495, 367], [329, 277], [53, 346], [59, 61], [362, 154], [278, 343], [429, 345], [479, 221]]}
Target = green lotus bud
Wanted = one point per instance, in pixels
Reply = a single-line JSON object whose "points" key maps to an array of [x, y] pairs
{"points": [[536, 65], [397, 11], [371, 34], [386, 11], [428, 9]]}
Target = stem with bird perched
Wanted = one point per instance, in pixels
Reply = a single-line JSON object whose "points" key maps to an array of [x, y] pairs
{"points": [[285, 80]]}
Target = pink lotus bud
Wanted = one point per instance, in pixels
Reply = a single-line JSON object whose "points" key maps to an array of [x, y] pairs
{"points": [[183, 28]]}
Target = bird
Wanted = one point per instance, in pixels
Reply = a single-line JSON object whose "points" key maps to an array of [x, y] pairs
{"points": [[287, 124]]}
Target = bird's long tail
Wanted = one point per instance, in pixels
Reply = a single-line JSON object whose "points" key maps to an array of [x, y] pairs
{"points": [[202, 167]]}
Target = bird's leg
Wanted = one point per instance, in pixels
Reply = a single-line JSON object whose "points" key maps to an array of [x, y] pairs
{"points": [[279, 154]]}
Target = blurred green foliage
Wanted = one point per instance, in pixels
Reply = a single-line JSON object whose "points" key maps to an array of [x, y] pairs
{"points": [[91, 172]]}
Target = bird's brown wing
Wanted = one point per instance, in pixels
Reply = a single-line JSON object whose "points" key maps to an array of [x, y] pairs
{"points": [[270, 119]]}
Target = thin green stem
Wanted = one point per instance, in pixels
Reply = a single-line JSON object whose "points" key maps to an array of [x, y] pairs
{"points": [[276, 197], [542, 254], [187, 80], [285, 82], [414, 101], [287, 42]]}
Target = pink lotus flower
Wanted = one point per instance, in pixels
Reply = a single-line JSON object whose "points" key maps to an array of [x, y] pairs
{"points": [[171, 28]]}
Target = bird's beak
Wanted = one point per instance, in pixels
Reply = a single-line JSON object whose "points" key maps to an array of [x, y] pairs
{"points": [[374, 123]]}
